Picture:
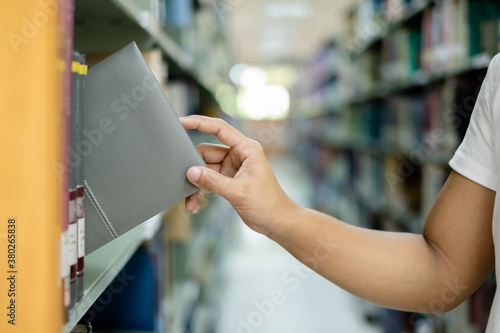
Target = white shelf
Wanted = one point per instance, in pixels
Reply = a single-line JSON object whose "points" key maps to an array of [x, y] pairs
{"points": [[104, 264]]}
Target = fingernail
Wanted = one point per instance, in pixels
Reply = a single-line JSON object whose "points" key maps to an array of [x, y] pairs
{"points": [[193, 174]]}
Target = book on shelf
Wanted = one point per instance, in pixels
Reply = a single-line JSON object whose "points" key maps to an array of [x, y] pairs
{"points": [[80, 211], [178, 13], [456, 31], [400, 55], [137, 152], [73, 176], [73, 256]]}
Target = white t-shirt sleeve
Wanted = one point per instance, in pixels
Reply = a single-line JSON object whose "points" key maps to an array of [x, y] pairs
{"points": [[475, 158]]}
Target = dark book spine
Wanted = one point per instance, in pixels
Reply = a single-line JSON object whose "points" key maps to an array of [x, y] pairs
{"points": [[80, 211], [73, 181]]}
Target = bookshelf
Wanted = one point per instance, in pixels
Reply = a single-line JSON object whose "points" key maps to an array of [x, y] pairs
{"points": [[35, 133], [367, 111], [409, 12], [190, 81]]}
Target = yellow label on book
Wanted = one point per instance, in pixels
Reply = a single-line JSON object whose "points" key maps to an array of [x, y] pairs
{"points": [[75, 67], [83, 69]]}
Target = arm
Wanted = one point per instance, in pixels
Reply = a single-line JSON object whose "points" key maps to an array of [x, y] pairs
{"points": [[430, 273]]}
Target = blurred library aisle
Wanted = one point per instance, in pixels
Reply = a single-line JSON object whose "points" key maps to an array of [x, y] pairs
{"points": [[256, 269]]}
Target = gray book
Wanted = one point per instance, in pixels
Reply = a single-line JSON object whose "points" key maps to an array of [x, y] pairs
{"points": [[136, 152]]}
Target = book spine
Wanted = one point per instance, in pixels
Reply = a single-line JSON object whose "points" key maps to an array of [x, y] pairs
{"points": [[81, 193], [73, 221]]}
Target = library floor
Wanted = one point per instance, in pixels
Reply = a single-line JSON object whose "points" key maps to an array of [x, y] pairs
{"points": [[267, 290]]}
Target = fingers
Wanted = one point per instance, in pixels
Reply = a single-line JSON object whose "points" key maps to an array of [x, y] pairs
{"points": [[193, 202], [215, 166], [227, 134], [212, 153], [210, 180]]}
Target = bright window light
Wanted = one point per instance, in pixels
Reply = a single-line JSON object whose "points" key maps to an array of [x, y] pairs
{"points": [[264, 102], [253, 76]]}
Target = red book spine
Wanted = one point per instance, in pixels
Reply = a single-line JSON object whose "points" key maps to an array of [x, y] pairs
{"points": [[72, 249], [80, 212]]}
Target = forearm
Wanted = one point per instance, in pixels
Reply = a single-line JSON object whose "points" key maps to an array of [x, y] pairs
{"points": [[396, 270]]}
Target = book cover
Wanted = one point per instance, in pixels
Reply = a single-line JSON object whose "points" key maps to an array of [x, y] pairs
{"points": [[136, 150]]}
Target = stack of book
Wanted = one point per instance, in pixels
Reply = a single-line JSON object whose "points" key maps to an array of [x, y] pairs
{"points": [[400, 61]]}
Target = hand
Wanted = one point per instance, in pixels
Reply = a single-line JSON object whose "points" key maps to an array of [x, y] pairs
{"points": [[240, 173]]}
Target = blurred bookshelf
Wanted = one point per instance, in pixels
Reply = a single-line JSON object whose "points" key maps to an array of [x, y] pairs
{"points": [[106, 26], [379, 112]]}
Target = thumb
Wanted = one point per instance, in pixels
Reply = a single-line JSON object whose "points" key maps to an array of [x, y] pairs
{"points": [[209, 180]]}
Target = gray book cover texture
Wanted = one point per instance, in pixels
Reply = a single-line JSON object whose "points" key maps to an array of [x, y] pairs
{"points": [[136, 152]]}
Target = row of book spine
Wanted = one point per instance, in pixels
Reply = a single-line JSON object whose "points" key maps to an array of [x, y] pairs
{"points": [[73, 234], [454, 31], [445, 36]]}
